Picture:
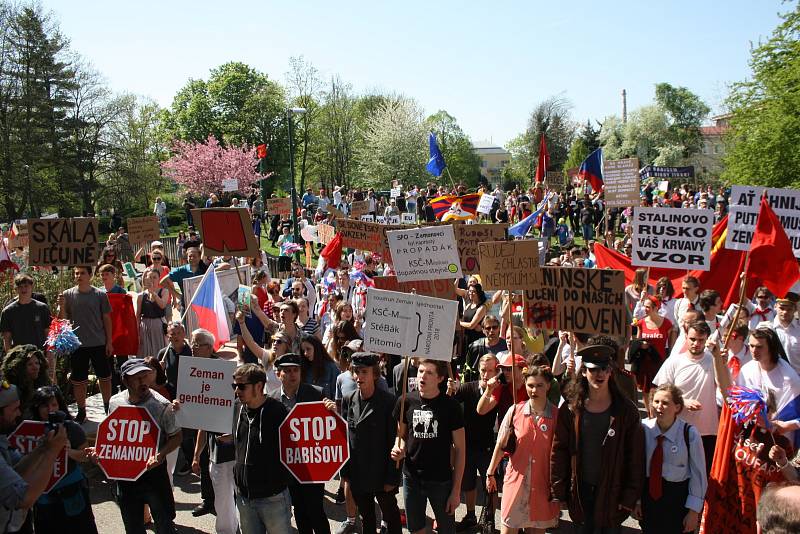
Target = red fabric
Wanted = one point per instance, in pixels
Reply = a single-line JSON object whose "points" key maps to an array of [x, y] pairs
{"points": [[333, 252], [656, 465], [726, 265], [262, 151], [771, 255], [124, 330], [544, 157]]}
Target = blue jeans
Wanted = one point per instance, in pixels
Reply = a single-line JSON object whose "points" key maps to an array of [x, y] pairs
{"points": [[588, 231], [417, 493], [265, 515]]}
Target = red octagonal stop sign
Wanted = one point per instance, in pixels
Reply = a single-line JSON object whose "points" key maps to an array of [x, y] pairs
{"points": [[125, 440], [313, 443], [26, 437]]}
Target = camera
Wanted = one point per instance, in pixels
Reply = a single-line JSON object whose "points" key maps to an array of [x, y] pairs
{"points": [[54, 419]]}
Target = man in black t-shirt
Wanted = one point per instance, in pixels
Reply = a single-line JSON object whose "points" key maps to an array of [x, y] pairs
{"points": [[24, 321], [431, 427]]}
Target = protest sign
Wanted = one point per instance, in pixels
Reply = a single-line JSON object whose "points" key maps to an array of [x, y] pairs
{"points": [[411, 325], [590, 301], [467, 238], [361, 235], [426, 253], [325, 233], [509, 264], [380, 219], [243, 296], [226, 231], [651, 171], [393, 219], [313, 443], [485, 204], [367, 218], [230, 184], [126, 439], [359, 208], [27, 437], [537, 314], [441, 288], [335, 213], [554, 180], [408, 218], [395, 192], [204, 391], [621, 179], [143, 229], [279, 206], [743, 213], [55, 242], [672, 238]]}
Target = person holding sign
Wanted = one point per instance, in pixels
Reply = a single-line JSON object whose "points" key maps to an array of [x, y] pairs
{"points": [[431, 439], [656, 331], [153, 487]]}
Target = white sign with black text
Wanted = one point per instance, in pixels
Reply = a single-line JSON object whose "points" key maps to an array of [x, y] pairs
{"points": [[743, 213], [672, 238], [427, 253], [204, 391], [485, 204]]}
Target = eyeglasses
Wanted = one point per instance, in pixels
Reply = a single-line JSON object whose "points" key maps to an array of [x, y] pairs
{"points": [[240, 385]]}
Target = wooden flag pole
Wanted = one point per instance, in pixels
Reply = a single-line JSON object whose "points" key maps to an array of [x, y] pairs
{"points": [[511, 349], [236, 268], [401, 422]]}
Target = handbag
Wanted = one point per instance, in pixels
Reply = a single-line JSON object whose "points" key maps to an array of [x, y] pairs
{"points": [[486, 519]]}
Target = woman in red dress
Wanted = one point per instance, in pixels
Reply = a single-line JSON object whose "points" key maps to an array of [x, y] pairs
{"points": [[658, 333]]}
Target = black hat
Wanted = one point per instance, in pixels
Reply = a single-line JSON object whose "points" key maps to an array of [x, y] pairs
{"points": [[364, 359], [596, 355], [290, 359]]}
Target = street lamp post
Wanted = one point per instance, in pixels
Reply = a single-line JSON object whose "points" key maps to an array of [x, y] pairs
{"points": [[289, 113]]}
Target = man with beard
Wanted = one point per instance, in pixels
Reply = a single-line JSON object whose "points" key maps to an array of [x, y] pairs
{"points": [[693, 372], [153, 487], [23, 478]]}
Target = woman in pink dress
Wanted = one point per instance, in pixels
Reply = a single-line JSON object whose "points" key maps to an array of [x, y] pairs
{"points": [[526, 486]]}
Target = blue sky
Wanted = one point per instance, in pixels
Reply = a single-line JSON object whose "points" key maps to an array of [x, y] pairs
{"points": [[486, 63]]}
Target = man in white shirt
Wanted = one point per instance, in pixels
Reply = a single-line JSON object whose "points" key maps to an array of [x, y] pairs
{"points": [[323, 201], [691, 289], [337, 197], [160, 210], [693, 372], [788, 331]]}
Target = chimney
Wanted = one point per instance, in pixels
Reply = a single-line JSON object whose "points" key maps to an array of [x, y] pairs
{"points": [[624, 107]]}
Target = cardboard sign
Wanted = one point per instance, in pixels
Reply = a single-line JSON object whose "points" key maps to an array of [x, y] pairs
{"points": [[359, 208], [590, 301], [537, 314], [143, 229], [395, 192], [335, 213], [743, 213], [230, 184], [63, 242], [408, 218], [226, 231], [621, 179], [672, 238], [509, 264], [313, 443], [279, 206], [554, 180], [205, 394], [361, 235], [410, 325], [440, 289], [325, 233], [469, 235], [485, 204], [427, 253]]}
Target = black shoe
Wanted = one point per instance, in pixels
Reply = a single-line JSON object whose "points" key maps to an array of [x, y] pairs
{"points": [[183, 471], [203, 509], [81, 417], [466, 523]]}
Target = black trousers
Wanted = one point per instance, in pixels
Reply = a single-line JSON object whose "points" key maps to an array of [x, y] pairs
{"points": [[387, 500], [309, 513], [665, 516], [588, 499]]}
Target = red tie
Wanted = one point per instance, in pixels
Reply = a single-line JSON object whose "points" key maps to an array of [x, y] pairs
{"points": [[735, 365], [690, 306], [762, 313], [656, 463]]}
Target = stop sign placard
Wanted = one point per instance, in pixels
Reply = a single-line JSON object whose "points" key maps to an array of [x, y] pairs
{"points": [[313, 443], [26, 437], [126, 438]]}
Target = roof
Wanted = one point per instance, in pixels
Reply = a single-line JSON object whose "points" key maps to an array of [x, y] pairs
{"points": [[491, 150], [713, 130]]}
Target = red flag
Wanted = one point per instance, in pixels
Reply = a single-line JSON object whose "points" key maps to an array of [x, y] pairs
{"points": [[544, 159], [333, 252], [124, 330], [771, 255], [262, 151]]}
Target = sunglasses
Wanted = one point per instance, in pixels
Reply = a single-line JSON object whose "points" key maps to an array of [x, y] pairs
{"points": [[157, 258], [240, 385], [277, 341], [491, 327]]}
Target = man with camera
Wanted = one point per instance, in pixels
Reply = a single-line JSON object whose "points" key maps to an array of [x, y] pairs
{"points": [[22, 479]]}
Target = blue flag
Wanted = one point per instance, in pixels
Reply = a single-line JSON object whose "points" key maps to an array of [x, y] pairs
{"points": [[521, 228], [436, 164]]}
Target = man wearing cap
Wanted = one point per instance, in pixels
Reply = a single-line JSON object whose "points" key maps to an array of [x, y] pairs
{"points": [[23, 478], [307, 499], [153, 487], [788, 329], [370, 472]]}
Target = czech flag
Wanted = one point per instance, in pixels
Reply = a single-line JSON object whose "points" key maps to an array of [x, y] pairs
{"points": [[592, 169], [207, 306]]}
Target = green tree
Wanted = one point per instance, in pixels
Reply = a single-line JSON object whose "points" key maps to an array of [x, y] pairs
{"points": [[685, 114], [551, 117], [765, 124], [336, 135], [305, 88], [577, 153], [463, 163], [519, 170]]}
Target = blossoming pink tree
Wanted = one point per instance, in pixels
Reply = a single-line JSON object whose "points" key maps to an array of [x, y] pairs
{"points": [[201, 167]]}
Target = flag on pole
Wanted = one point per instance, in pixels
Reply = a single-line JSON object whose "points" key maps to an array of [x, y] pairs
{"points": [[5, 258], [436, 163], [521, 228], [544, 160], [209, 309], [592, 169], [771, 255], [452, 207]]}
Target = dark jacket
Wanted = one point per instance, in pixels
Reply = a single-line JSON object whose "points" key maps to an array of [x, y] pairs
{"points": [[371, 438], [622, 472], [305, 393], [257, 469]]}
